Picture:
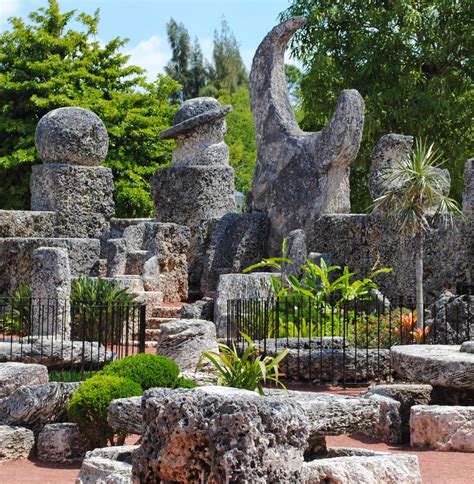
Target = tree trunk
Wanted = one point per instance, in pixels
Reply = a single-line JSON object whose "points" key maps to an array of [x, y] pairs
{"points": [[420, 316]]}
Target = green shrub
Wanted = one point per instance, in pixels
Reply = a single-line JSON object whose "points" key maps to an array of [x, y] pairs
{"points": [[89, 403], [148, 371], [99, 309], [182, 382], [15, 317]]}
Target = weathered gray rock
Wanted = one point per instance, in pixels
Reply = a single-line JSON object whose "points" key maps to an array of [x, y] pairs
{"points": [[436, 365], [109, 465], [467, 347], [298, 175], [201, 309], [389, 149], [257, 285], [218, 434], [82, 196], [184, 341], [451, 319], [62, 443], [71, 135], [16, 375], [444, 428], [37, 405], [116, 251], [396, 469], [296, 252], [51, 290], [16, 258], [238, 241], [199, 186], [408, 395], [19, 223], [125, 415], [15, 443], [55, 353], [468, 195]]}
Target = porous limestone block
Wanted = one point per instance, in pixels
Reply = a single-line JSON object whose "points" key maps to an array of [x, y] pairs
{"points": [[16, 375], [15, 443]]}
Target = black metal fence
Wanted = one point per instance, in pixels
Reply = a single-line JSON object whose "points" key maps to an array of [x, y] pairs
{"points": [[346, 341], [72, 339]]}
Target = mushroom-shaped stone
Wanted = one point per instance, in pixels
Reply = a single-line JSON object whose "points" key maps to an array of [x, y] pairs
{"points": [[73, 136], [199, 128]]}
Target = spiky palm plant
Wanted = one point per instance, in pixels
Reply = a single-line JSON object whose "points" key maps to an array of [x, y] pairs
{"points": [[417, 196]]}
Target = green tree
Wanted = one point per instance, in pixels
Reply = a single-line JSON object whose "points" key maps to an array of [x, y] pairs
{"points": [[45, 65], [230, 72], [416, 190], [409, 59]]}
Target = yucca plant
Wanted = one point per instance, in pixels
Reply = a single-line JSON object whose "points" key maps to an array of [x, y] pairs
{"points": [[249, 371], [99, 307], [417, 190]]}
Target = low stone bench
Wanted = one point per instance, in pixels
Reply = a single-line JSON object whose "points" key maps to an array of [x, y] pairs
{"points": [[442, 427]]}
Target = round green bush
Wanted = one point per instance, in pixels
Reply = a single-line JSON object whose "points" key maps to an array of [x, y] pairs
{"points": [[89, 403], [148, 371]]}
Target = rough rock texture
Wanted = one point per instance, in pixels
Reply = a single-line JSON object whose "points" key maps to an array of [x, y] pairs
{"points": [[19, 223], [55, 353], [451, 319], [389, 148], [51, 290], [184, 341], [110, 465], [394, 469], [257, 285], [238, 241], [436, 365], [296, 252], [408, 395], [116, 254], [71, 135], [326, 360], [125, 415], [442, 427], [358, 241], [201, 309], [199, 186], [298, 175], [193, 196], [16, 258], [16, 375], [336, 414], [467, 347], [468, 195], [82, 196], [36, 405], [15, 443], [62, 443], [218, 434]]}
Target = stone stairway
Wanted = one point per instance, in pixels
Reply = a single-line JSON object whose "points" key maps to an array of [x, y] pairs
{"points": [[160, 314]]}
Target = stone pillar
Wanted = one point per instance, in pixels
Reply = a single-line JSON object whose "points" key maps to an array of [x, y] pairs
{"points": [[199, 185], [72, 142], [51, 282]]}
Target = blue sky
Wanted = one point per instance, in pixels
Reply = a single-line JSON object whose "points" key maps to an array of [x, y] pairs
{"points": [[144, 23]]}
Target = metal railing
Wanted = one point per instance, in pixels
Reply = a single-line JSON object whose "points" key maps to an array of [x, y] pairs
{"points": [[70, 338], [345, 341]]}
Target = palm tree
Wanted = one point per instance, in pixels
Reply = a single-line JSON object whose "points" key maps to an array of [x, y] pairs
{"points": [[416, 196]]}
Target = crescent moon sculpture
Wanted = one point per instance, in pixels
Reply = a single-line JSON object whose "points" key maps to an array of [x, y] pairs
{"points": [[299, 176]]}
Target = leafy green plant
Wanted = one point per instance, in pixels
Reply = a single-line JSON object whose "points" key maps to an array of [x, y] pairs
{"points": [[15, 317], [99, 308], [249, 371], [182, 382], [89, 403], [145, 369]]}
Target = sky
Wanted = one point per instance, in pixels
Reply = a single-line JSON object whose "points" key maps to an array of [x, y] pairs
{"points": [[143, 22]]}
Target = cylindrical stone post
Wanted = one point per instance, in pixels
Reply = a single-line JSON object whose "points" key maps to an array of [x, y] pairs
{"points": [[51, 283]]}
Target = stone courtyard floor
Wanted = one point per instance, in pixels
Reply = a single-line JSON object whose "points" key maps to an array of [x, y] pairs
{"points": [[436, 467]]}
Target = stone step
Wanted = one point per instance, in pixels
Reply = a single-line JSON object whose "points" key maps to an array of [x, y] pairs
{"points": [[165, 311], [135, 261], [152, 334], [152, 299], [155, 323]]}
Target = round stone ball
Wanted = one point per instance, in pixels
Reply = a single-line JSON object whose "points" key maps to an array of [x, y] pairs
{"points": [[73, 136], [195, 107]]}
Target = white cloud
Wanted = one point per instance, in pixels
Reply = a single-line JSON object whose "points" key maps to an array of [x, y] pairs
{"points": [[151, 54], [8, 8]]}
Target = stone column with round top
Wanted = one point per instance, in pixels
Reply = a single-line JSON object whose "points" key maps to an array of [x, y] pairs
{"points": [[199, 186], [72, 142]]}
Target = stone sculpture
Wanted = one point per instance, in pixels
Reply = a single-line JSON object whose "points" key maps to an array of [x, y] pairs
{"points": [[298, 175], [199, 186]]}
